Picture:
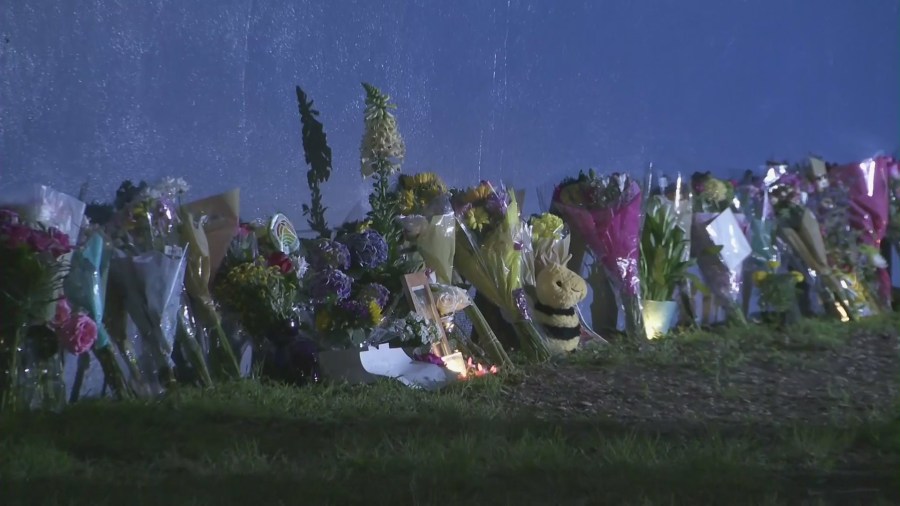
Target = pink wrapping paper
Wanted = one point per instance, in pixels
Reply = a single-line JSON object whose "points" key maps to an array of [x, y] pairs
{"points": [[867, 182]]}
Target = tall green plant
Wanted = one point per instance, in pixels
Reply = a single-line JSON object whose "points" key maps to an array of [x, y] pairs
{"points": [[318, 157], [381, 153], [664, 262]]}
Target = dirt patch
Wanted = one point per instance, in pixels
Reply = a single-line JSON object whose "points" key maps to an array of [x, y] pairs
{"points": [[833, 385]]}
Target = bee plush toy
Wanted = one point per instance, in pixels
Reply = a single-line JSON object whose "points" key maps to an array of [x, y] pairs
{"points": [[558, 290]]}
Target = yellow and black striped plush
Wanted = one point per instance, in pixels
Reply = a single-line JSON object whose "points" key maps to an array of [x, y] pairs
{"points": [[558, 291]]}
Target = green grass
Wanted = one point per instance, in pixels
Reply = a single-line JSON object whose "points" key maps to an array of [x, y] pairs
{"points": [[247, 443]]}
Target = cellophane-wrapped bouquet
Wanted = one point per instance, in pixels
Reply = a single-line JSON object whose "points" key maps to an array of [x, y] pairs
{"points": [[146, 283], [606, 212], [754, 202], [719, 243], [868, 186], [31, 278], [428, 221], [546, 242], [489, 255], [799, 228], [854, 263], [893, 232]]}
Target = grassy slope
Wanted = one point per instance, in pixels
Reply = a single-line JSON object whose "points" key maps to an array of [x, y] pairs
{"points": [[386, 444]]}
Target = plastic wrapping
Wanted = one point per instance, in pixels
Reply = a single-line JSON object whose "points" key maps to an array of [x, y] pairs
{"points": [[85, 288], [546, 241], [489, 255], [606, 211], [893, 230], [51, 208], [719, 244], [852, 261], [196, 283], [868, 185], [429, 222], [799, 228], [151, 284]]}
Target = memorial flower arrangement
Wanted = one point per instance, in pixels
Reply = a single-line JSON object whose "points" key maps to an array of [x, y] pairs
{"points": [[606, 210], [489, 255], [31, 281], [778, 293]]}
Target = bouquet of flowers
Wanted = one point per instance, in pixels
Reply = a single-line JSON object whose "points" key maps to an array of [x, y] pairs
{"points": [[800, 230], [85, 287], [546, 242], [854, 262], [893, 232], [349, 300], [719, 242], [260, 294], [31, 277], [429, 222], [778, 293], [752, 198], [868, 185], [147, 275], [606, 211], [417, 329], [489, 255]]}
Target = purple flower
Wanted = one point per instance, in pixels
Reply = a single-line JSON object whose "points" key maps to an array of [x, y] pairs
{"points": [[430, 358], [498, 201], [376, 292], [327, 254], [356, 309], [368, 249], [330, 283]]}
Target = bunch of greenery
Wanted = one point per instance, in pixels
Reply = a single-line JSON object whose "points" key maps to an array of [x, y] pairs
{"points": [[664, 261]]}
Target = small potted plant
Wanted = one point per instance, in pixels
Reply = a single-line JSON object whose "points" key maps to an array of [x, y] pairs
{"points": [[664, 265], [778, 294]]}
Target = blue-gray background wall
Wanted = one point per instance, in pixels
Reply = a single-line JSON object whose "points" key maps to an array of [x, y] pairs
{"points": [[526, 91]]}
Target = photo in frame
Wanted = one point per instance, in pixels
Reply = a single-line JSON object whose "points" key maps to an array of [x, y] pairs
{"points": [[417, 288]]}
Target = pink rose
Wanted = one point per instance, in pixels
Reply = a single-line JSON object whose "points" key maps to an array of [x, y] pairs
{"points": [[63, 313], [78, 335]]}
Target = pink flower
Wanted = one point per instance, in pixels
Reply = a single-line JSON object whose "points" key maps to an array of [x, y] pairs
{"points": [[244, 230], [63, 313], [78, 335]]}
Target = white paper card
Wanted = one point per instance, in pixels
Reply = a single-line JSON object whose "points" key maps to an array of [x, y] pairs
{"points": [[725, 231]]}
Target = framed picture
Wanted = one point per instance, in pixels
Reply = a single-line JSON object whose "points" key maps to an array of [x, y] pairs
{"points": [[417, 289]]}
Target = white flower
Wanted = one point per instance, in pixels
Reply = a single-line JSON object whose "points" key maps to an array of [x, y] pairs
{"points": [[302, 267], [172, 186], [879, 261]]}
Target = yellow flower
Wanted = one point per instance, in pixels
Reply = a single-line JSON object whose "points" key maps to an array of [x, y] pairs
{"points": [[798, 277], [477, 193], [323, 320], [547, 226], [760, 276], [375, 312], [773, 264], [476, 218], [407, 201], [426, 178]]}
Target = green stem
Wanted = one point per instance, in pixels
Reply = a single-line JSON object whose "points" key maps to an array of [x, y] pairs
{"points": [[10, 387], [532, 342], [489, 341]]}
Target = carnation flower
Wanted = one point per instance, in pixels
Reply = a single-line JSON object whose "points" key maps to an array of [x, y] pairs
{"points": [[430, 358], [328, 254], [330, 283], [368, 249], [78, 334]]}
